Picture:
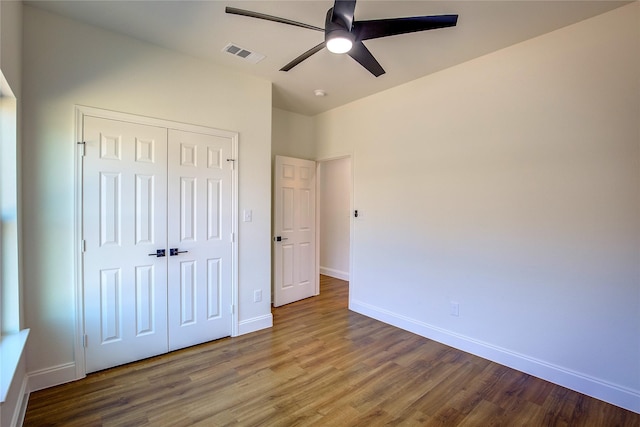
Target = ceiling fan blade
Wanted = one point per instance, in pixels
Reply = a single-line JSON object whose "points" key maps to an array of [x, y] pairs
{"points": [[266, 17], [343, 11], [366, 30], [302, 57], [361, 54]]}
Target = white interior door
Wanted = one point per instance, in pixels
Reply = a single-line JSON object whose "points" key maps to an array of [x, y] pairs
{"points": [[200, 197], [147, 189], [125, 206], [294, 226]]}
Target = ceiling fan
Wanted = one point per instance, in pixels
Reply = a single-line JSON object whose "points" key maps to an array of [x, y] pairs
{"points": [[343, 34]]}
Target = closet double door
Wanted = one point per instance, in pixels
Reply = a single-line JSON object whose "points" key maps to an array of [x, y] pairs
{"points": [[157, 240]]}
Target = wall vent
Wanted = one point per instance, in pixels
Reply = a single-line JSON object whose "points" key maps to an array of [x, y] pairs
{"points": [[243, 53]]}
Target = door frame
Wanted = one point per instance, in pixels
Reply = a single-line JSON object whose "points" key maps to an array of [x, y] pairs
{"points": [[80, 112], [319, 162]]}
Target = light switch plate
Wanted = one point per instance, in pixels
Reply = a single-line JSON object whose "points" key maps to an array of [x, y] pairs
{"points": [[454, 309]]}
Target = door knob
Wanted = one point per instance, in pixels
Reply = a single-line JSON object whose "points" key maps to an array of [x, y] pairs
{"points": [[159, 253], [176, 251]]}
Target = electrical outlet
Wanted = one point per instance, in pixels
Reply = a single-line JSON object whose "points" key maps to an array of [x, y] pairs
{"points": [[454, 308], [257, 295]]}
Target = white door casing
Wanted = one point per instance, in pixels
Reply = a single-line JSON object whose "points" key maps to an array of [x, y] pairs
{"points": [[142, 187], [295, 275]]}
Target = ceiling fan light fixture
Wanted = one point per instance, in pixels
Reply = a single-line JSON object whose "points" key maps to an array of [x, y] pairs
{"points": [[340, 43], [342, 33]]}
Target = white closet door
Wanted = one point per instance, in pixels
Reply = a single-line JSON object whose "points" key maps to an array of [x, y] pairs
{"points": [[200, 218], [124, 221]]}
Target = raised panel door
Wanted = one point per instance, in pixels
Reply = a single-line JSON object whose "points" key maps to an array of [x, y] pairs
{"points": [[294, 220], [200, 214], [124, 220]]}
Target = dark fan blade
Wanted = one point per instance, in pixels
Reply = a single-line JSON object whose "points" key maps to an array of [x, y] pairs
{"points": [[366, 30], [361, 54], [302, 57], [251, 14], [343, 10]]}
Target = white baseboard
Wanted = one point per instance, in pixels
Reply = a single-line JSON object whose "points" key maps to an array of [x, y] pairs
{"points": [[255, 324], [602, 390], [53, 376], [342, 275]]}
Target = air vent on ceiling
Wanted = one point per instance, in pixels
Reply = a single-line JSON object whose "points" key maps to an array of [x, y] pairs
{"points": [[243, 53]]}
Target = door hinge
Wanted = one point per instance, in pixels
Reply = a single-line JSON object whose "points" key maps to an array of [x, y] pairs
{"points": [[232, 162], [85, 341], [83, 246], [81, 145], [232, 237], [231, 307]]}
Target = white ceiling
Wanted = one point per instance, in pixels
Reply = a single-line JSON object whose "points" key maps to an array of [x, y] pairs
{"points": [[202, 29]]}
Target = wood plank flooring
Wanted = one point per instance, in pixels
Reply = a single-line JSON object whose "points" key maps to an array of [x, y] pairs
{"points": [[320, 365]]}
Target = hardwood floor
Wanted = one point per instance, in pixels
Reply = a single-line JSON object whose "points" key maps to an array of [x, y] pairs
{"points": [[319, 365]]}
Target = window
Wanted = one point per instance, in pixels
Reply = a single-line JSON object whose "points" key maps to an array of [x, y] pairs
{"points": [[9, 283], [12, 340]]}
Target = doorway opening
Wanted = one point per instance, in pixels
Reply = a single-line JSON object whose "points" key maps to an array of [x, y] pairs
{"points": [[335, 208]]}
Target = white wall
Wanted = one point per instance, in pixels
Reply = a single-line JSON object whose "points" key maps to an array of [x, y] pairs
{"points": [[335, 216], [292, 135], [67, 63], [511, 185], [11, 43]]}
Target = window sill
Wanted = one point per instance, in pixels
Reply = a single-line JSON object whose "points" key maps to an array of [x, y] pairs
{"points": [[11, 349]]}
